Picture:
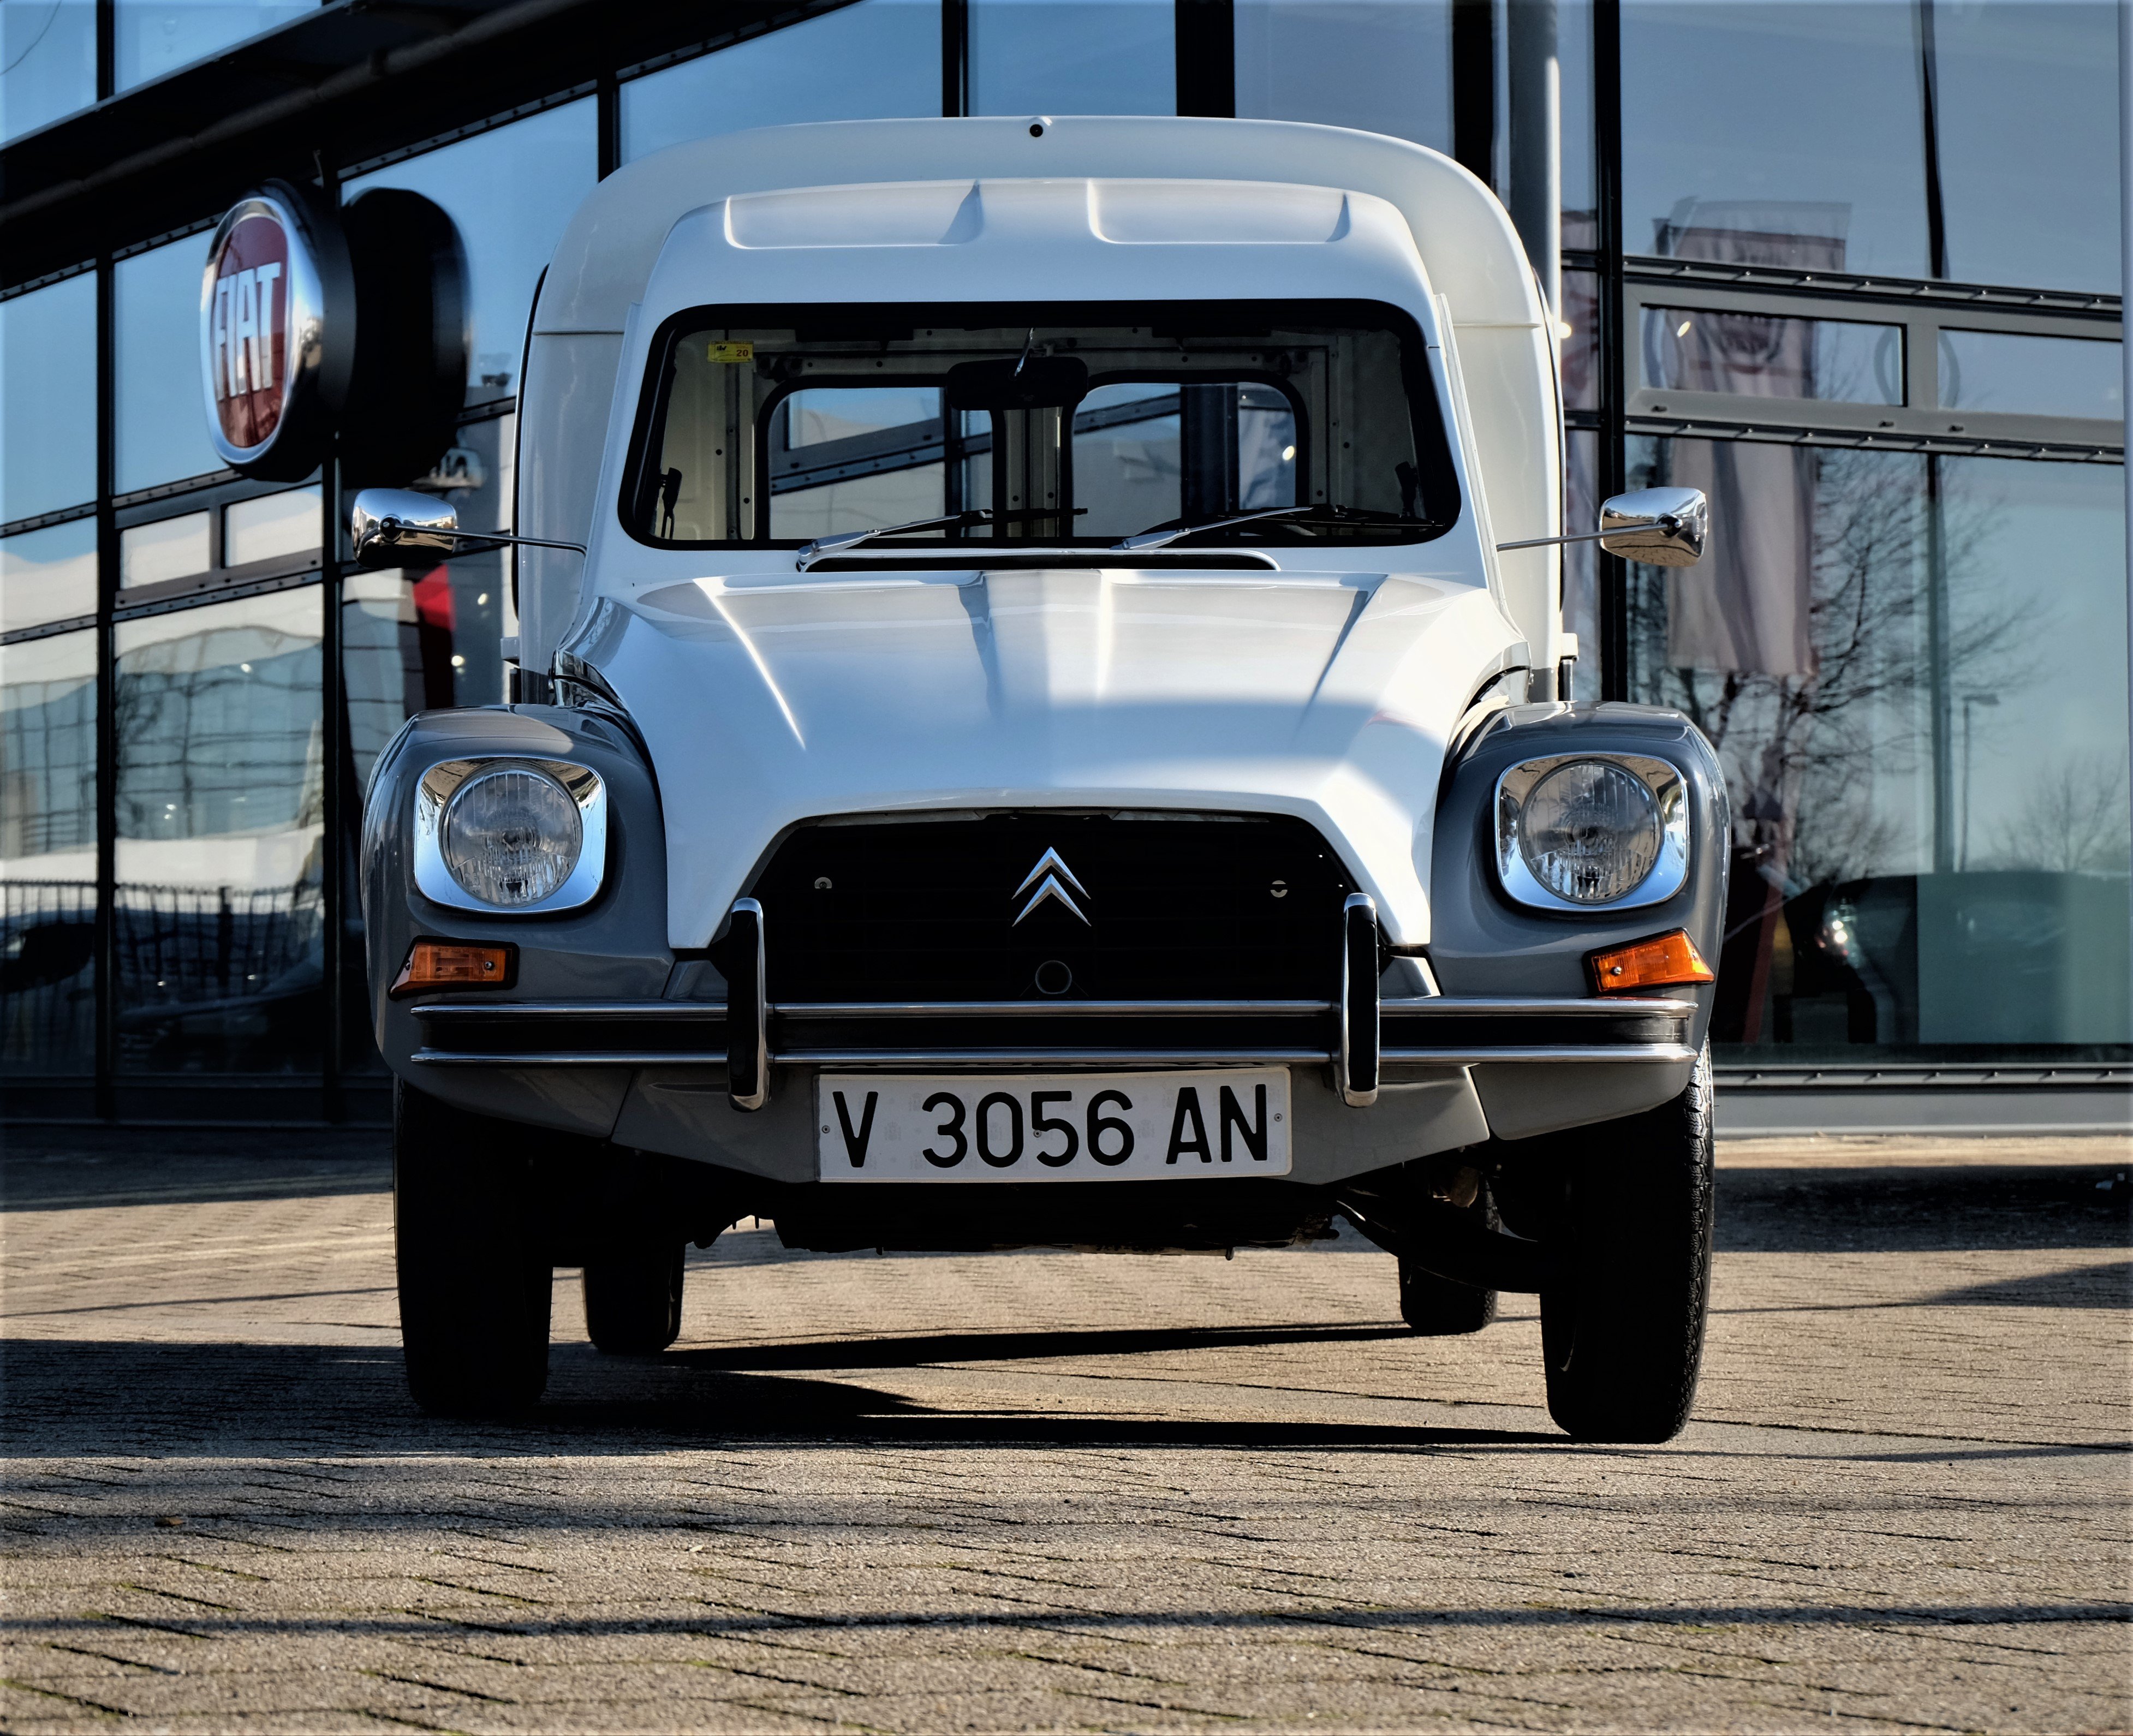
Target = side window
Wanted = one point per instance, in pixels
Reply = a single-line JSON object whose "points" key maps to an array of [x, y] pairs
{"points": [[1265, 468], [1149, 452], [853, 457], [699, 488], [1126, 467]]}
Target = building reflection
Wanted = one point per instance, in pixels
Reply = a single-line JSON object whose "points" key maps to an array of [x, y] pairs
{"points": [[1862, 289]]}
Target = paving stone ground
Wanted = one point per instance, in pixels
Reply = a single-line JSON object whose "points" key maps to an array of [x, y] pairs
{"points": [[1046, 1492]]}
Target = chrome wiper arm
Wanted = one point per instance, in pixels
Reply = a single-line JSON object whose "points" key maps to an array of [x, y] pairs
{"points": [[1157, 539], [821, 546], [812, 551], [1339, 515]]}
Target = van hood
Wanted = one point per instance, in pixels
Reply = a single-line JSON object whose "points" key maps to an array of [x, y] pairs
{"points": [[1327, 697]]}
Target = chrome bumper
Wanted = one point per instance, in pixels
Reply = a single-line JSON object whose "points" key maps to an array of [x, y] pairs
{"points": [[1366, 1039], [1416, 1036]]}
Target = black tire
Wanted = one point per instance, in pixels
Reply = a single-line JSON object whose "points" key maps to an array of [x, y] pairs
{"points": [[1623, 1337], [475, 1282], [634, 1300], [1437, 1307]]}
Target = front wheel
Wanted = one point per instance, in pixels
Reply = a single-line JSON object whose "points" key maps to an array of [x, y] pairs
{"points": [[633, 1299], [475, 1282], [1623, 1333]]}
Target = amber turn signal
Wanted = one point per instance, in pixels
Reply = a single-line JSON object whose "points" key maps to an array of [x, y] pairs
{"points": [[455, 965], [1665, 961]]}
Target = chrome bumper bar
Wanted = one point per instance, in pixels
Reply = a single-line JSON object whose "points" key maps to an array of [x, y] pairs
{"points": [[1062, 1060], [699, 1013], [696, 1034], [1362, 1035]]}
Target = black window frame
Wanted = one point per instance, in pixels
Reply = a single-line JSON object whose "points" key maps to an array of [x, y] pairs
{"points": [[1439, 492]]}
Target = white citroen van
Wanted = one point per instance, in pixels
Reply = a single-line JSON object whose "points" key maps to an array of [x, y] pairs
{"points": [[1043, 718]]}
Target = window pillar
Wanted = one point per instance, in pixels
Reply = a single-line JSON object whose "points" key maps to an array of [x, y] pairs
{"points": [[1207, 57]]}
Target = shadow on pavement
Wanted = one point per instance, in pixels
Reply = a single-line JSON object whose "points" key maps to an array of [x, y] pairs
{"points": [[1976, 1206], [986, 1347], [1575, 1610], [68, 1398], [2107, 1286]]}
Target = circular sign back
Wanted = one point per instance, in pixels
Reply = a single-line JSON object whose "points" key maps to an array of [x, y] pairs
{"points": [[273, 365]]}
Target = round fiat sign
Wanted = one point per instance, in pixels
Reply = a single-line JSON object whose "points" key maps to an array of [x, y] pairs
{"points": [[275, 336]]}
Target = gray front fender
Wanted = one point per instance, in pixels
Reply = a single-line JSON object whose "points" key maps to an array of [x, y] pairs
{"points": [[613, 948], [1484, 943]]}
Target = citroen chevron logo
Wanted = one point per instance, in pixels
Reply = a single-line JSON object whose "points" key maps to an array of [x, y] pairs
{"points": [[1047, 876]]}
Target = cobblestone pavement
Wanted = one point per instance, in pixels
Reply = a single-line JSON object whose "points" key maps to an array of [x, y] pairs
{"points": [[1046, 1491]]}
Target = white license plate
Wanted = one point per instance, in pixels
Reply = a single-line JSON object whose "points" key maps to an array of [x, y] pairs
{"points": [[1069, 1127]]}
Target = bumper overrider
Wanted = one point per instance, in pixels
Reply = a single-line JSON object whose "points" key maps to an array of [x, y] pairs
{"points": [[603, 1030]]}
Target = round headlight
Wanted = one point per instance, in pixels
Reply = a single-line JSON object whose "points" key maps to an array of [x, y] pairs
{"points": [[1589, 831], [511, 836]]}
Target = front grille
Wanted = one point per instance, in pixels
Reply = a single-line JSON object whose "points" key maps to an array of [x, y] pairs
{"points": [[1243, 907]]}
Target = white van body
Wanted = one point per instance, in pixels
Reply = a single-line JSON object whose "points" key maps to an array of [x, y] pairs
{"points": [[1172, 887], [1346, 715]]}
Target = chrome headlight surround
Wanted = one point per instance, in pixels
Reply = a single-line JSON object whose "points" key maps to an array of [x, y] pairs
{"points": [[442, 782], [1668, 872]]}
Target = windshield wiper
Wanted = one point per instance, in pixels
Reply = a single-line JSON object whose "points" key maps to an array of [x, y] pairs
{"points": [[821, 546], [1155, 539]]}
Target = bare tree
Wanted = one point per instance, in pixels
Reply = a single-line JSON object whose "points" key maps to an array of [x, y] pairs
{"points": [[2072, 822], [1802, 751]]}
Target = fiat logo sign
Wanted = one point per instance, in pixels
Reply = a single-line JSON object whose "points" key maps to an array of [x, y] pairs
{"points": [[248, 336], [273, 367]]}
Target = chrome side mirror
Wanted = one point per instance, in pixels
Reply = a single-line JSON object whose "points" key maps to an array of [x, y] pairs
{"points": [[1658, 526], [389, 523]]}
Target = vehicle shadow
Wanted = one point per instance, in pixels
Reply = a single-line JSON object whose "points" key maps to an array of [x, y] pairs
{"points": [[921, 1350], [2109, 1285], [68, 1398]]}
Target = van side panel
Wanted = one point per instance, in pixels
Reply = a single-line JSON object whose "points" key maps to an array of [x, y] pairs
{"points": [[1509, 375], [569, 385]]}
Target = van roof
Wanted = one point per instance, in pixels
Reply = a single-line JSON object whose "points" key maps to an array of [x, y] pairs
{"points": [[605, 261]]}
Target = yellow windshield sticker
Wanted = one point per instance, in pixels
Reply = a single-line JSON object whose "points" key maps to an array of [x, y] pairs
{"points": [[733, 352]]}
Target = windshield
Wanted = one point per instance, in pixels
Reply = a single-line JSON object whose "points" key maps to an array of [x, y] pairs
{"points": [[1076, 426]]}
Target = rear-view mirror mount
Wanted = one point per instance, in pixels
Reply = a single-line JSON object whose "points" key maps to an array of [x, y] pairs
{"points": [[1033, 383]]}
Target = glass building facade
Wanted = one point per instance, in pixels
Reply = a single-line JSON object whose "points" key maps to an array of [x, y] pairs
{"points": [[1852, 269]]}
